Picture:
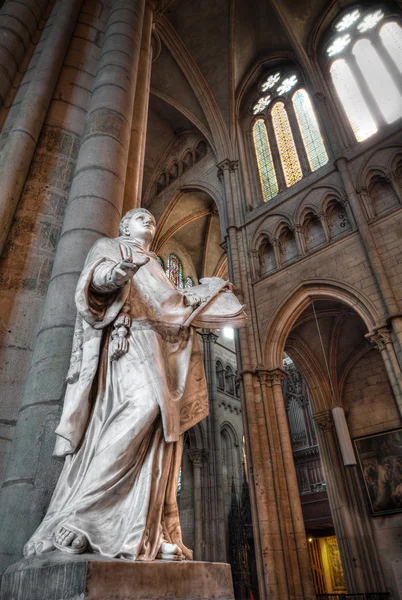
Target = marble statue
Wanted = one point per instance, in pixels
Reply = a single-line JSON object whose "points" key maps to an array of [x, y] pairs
{"points": [[136, 383]]}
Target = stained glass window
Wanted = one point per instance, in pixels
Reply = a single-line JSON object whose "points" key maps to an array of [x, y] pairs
{"points": [[286, 145], [355, 106], [266, 169], [175, 270], [179, 481], [188, 282], [391, 37], [379, 80], [309, 128]]}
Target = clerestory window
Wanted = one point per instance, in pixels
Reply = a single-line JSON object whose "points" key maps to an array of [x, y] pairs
{"points": [[287, 138], [365, 52]]}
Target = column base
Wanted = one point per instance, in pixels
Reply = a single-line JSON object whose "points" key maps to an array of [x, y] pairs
{"points": [[58, 576]]}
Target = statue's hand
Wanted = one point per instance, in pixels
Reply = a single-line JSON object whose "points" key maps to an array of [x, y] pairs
{"points": [[125, 269]]}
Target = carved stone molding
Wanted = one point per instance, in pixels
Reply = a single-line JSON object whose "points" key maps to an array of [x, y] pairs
{"points": [[324, 420]]}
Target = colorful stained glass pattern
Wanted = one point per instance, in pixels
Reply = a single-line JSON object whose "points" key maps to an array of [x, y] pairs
{"points": [[380, 82], [391, 37], [310, 131], [286, 145], [175, 270], [354, 104], [188, 282], [179, 481], [269, 185]]}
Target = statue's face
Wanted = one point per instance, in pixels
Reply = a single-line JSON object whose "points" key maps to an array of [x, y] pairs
{"points": [[142, 226]]}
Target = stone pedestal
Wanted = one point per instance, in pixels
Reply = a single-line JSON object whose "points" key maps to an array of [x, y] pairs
{"points": [[84, 577]]}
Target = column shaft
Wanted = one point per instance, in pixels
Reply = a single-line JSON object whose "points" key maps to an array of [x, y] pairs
{"points": [[18, 23], [94, 209], [23, 137], [136, 157], [301, 574]]}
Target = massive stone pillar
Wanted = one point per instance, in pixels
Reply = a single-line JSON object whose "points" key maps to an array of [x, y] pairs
{"points": [[281, 545], [18, 24], [360, 562], [94, 210], [21, 142]]}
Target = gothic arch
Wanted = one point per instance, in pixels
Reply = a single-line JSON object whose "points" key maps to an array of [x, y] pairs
{"points": [[283, 320], [382, 163]]}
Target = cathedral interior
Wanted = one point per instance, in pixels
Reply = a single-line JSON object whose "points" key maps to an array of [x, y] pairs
{"points": [[265, 138]]}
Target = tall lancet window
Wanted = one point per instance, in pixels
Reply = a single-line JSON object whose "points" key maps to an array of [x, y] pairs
{"points": [[175, 270], [365, 50], [287, 138]]}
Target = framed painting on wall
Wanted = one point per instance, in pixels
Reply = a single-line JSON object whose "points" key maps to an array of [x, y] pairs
{"points": [[380, 460]]}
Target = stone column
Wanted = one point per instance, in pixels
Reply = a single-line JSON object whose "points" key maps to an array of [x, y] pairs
{"points": [[259, 462], [382, 339], [324, 224], [94, 209], [300, 239], [135, 164], [18, 23], [21, 142], [214, 441], [352, 525], [294, 542], [197, 456], [255, 263], [391, 308]]}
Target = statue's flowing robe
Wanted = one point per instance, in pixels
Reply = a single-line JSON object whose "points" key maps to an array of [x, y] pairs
{"points": [[123, 420]]}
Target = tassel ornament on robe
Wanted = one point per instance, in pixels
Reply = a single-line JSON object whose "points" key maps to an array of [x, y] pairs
{"points": [[120, 333]]}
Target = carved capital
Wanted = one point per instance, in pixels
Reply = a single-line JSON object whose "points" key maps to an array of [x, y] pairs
{"points": [[230, 165], [252, 253], [270, 377], [197, 456], [320, 97], [298, 228], [344, 201], [209, 337], [380, 337], [324, 420]]}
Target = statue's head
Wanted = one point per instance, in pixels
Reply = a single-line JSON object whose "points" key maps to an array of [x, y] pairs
{"points": [[138, 224]]}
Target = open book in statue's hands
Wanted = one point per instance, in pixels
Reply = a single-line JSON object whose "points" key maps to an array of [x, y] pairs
{"points": [[218, 306]]}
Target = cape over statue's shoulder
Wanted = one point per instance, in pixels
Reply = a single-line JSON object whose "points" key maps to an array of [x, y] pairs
{"points": [[105, 247]]}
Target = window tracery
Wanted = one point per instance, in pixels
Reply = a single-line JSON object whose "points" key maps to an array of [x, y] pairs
{"points": [[286, 135], [366, 69]]}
